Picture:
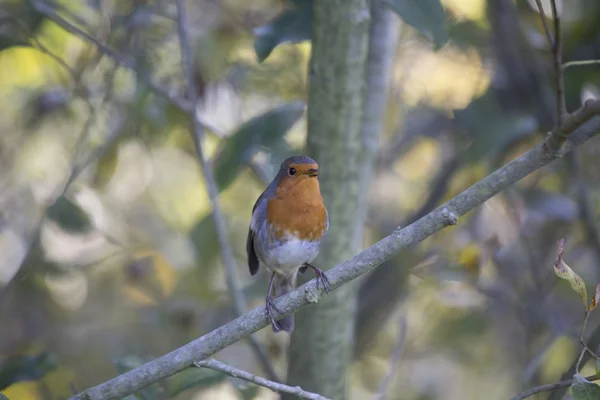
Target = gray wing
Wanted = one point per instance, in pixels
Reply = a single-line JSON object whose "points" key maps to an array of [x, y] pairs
{"points": [[259, 215], [259, 212]]}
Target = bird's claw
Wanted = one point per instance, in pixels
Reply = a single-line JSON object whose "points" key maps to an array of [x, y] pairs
{"points": [[270, 306], [321, 277]]}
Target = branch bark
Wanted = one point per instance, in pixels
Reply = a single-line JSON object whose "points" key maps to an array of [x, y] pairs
{"points": [[579, 127], [322, 343]]}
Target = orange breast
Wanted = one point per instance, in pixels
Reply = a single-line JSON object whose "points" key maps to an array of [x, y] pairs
{"points": [[298, 209]]}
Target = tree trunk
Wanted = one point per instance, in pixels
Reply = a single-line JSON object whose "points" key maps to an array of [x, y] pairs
{"points": [[322, 342]]}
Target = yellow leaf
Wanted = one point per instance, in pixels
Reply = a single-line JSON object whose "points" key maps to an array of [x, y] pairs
{"points": [[469, 259], [139, 296], [23, 390], [596, 298], [562, 270]]}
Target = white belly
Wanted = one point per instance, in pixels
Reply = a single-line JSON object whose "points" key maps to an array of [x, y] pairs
{"points": [[292, 254]]}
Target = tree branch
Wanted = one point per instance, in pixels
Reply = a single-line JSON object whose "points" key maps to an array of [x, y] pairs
{"points": [[211, 186], [274, 386], [561, 107], [579, 127], [550, 387]]}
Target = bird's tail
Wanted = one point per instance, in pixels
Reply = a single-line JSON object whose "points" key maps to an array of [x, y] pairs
{"points": [[281, 285]]}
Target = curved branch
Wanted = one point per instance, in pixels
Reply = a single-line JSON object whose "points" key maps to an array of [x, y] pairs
{"points": [[579, 127]]}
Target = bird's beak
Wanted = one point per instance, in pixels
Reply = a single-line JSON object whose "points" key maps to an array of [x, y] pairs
{"points": [[312, 172]]}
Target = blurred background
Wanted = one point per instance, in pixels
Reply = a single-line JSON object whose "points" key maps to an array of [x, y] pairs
{"points": [[108, 252]]}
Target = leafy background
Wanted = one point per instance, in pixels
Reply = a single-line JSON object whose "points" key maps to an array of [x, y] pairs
{"points": [[124, 265]]}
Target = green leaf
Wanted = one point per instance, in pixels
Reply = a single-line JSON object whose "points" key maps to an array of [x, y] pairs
{"points": [[69, 216], [3, 397], [204, 239], [265, 130], [427, 16], [26, 368], [598, 367], [292, 25], [584, 389]]}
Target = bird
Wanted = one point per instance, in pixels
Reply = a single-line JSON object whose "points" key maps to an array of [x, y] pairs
{"points": [[287, 230]]}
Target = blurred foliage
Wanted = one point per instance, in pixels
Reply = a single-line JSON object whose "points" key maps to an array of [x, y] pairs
{"points": [[69, 216], [18, 21], [427, 16], [294, 24], [25, 368], [127, 259], [265, 130]]}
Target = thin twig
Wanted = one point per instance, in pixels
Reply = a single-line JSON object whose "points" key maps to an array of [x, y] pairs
{"points": [[585, 348], [396, 354], [579, 63], [544, 22], [556, 46], [241, 374], [157, 89], [550, 387], [213, 193], [578, 128], [561, 107]]}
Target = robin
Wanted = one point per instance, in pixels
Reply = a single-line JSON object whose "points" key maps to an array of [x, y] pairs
{"points": [[289, 222]]}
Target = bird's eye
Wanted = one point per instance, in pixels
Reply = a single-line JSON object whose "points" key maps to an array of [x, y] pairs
{"points": [[292, 171]]}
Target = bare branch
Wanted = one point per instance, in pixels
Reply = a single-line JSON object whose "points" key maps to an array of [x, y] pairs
{"points": [[550, 387], [211, 185], [556, 46], [561, 108], [397, 353], [274, 386], [544, 22], [578, 128]]}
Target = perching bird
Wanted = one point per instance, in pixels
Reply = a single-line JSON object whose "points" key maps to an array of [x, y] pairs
{"points": [[289, 222]]}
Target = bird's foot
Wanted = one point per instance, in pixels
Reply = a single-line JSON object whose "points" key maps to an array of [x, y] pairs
{"points": [[321, 277], [270, 306]]}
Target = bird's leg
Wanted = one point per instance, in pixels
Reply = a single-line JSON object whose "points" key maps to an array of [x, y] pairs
{"points": [[270, 306], [321, 278]]}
